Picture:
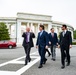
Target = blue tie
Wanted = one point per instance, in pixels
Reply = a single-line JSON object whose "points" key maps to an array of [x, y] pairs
{"points": [[40, 33]]}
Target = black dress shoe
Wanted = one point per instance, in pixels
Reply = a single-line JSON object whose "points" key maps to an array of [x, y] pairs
{"points": [[25, 64], [40, 66], [29, 59], [63, 67], [68, 64], [49, 54], [54, 59], [45, 61]]}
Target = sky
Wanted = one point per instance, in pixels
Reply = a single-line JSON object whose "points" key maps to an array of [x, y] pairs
{"points": [[60, 10]]}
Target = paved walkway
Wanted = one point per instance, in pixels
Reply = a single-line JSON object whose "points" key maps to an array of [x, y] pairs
{"points": [[16, 66]]}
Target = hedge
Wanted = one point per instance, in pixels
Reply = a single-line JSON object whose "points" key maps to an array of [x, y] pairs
{"points": [[73, 43]]}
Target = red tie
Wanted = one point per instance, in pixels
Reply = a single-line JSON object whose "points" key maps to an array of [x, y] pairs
{"points": [[52, 34]]}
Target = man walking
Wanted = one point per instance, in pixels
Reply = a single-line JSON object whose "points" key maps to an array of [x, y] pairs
{"points": [[53, 41], [65, 44], [28, 43], [42, 45], [48, 52]]}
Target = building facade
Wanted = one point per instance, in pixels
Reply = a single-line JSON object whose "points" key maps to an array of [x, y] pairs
{"points": [[17, 25]]}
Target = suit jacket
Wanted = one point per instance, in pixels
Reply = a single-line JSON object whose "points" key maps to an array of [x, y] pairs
{"points": [[32, 35], [65, 40], [53, 40], [42, 40]]}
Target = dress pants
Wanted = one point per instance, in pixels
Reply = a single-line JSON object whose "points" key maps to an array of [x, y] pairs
{"points": [[27, 52], [42, 53], [65, 54], [53, 51], [48, 51]]}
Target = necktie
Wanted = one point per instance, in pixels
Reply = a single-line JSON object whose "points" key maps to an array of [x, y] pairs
{"points": [[27, 37]]}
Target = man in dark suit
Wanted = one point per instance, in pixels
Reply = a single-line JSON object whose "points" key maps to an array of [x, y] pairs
{"points": [[65, 44], [53, 41], [28, 43], [42, 45], [48, 52]]}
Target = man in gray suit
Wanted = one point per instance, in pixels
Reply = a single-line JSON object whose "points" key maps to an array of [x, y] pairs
{"points": [[28, 43], [53, 42]]}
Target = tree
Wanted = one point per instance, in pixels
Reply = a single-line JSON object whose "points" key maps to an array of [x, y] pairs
{"points": [[74, 33], [4, 34]]}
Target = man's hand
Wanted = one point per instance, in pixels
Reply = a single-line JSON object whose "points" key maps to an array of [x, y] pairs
{"points": [[49, 42], [46, 47], [58, 46], [70, 46], [36, 46]]}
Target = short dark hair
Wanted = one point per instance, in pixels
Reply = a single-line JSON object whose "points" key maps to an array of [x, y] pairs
{"points": [[51, 28], [64, 25], [42, 26]]}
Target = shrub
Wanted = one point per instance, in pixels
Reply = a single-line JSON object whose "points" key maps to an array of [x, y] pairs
{"points": [[73, 43]]}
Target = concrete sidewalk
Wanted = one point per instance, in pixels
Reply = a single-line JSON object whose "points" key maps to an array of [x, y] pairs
{"points": [[14, 63], [54, 67]]}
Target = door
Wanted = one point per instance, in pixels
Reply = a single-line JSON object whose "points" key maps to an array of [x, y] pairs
{"points": [[5, 44], [1, 44]]}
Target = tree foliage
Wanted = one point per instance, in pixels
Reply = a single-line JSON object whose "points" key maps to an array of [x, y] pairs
{"points": [[74, 34], [4, 34]]}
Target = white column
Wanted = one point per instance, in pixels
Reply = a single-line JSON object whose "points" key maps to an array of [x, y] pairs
{"points": [[49, 27], [38, 26], [19, 40], [36, 29], [15, 31], [56, 30], [41, 23], [8, 27], [28, 24], [32, 26]]}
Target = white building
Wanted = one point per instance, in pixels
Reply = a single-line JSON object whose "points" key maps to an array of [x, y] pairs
{"points": [[17, 25]]}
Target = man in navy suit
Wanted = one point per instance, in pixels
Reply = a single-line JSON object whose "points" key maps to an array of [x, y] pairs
{"points": [[42, 45], [53, 41]]}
